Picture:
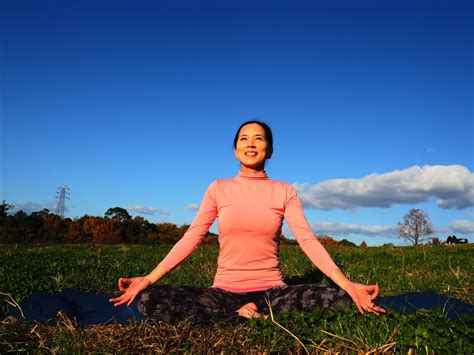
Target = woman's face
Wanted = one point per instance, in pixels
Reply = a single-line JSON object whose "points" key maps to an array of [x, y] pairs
{"points": [[252, 149]]}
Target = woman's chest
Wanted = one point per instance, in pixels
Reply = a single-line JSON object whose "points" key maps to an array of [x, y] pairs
{"points": [[251, 210]]}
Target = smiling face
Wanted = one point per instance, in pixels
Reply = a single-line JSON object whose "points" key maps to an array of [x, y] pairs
{"points": [[252, 148]]}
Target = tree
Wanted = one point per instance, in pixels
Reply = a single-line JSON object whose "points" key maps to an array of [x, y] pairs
{"points": [[118, 213], [346, 243], [416, 226], [4, 207]]}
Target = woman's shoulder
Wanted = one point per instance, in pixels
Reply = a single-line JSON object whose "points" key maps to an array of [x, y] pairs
{"points": [[219, 183], [285, 188], [282, 184]]}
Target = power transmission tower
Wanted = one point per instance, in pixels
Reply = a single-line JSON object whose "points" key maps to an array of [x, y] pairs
{"points": [[63, 194]]}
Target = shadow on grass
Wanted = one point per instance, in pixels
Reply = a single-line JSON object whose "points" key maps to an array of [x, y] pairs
{"points": [[313, 276]]}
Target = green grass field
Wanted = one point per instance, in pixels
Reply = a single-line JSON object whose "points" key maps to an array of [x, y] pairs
{"points": [[448, 270]]}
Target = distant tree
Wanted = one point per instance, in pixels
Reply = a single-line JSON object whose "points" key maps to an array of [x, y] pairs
{"points": [[135, 230], [118, 213], [181, 230], [40, 214], [4, 207], [326, 240], [363, 245], [346, 243], [75, 232], [167, 233], [415, 227], [285, 240], [100, 230], [20, 214], [53, 228]]}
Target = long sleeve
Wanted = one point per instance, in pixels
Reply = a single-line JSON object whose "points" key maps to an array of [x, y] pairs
{"points": [[205, 216], [300, 228]]}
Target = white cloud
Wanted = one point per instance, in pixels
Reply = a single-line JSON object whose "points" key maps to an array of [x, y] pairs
{"points": [[146, 210], [192, 207], [441, 230], [343, 229], [452, 185], [460, 226], [29, 207]]}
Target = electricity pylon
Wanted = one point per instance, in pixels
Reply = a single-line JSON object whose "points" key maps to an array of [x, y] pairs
{"points": [[63, 194]]}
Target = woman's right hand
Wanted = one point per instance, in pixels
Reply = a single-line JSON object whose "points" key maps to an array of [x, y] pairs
{"points": [[131, 288]]}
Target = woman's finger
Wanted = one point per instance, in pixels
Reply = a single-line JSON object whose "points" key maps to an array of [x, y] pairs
{"points": [[379, 309], [132, 297], [119, 300], [119, 303], [375, 291], [372, 308], [359, 306], [374, 311], [124, 299], [124, 283], [353, 294], [116, 299]]}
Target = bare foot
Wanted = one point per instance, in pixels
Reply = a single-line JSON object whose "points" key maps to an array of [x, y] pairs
{"points": [[249, 310]]}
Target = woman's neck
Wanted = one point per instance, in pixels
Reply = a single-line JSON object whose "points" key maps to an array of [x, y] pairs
{"points": [[259, 175], [247, 170]]}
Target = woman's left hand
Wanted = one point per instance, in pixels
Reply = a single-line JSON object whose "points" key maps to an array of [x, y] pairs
{"points": [[363, 295]]}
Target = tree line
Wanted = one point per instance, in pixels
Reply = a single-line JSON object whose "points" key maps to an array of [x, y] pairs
{"points": [[117, 226]]}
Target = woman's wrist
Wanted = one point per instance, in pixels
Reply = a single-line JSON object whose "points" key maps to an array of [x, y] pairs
{"points": [[343, 283], [340, 279], [147, 278]]}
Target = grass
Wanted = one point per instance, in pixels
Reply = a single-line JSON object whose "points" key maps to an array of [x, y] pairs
{"points": [[448, 270]]}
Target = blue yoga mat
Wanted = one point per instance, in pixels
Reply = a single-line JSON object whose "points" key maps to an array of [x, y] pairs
{"points": [[86, 308], [412, 302], [89, 308]]}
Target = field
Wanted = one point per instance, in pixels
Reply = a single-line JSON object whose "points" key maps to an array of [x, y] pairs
{"points": [[448, 270]]}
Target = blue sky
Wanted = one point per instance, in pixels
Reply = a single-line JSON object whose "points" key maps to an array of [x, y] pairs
{"points": [[135, 104]]}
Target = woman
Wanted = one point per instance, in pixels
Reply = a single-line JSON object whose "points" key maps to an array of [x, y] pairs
{"points": [[250, 208]]}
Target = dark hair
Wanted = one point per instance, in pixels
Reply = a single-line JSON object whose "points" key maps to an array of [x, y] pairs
{"points": [[266, 128]]}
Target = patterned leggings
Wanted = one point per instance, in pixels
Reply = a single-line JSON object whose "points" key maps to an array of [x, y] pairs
{"points": [[173, 303]]}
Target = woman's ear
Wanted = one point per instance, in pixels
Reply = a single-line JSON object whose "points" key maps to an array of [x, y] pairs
{"points": [[235, 154]]}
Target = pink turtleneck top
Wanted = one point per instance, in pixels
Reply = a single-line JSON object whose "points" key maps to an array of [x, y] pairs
{"points": [[250, 209]]}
